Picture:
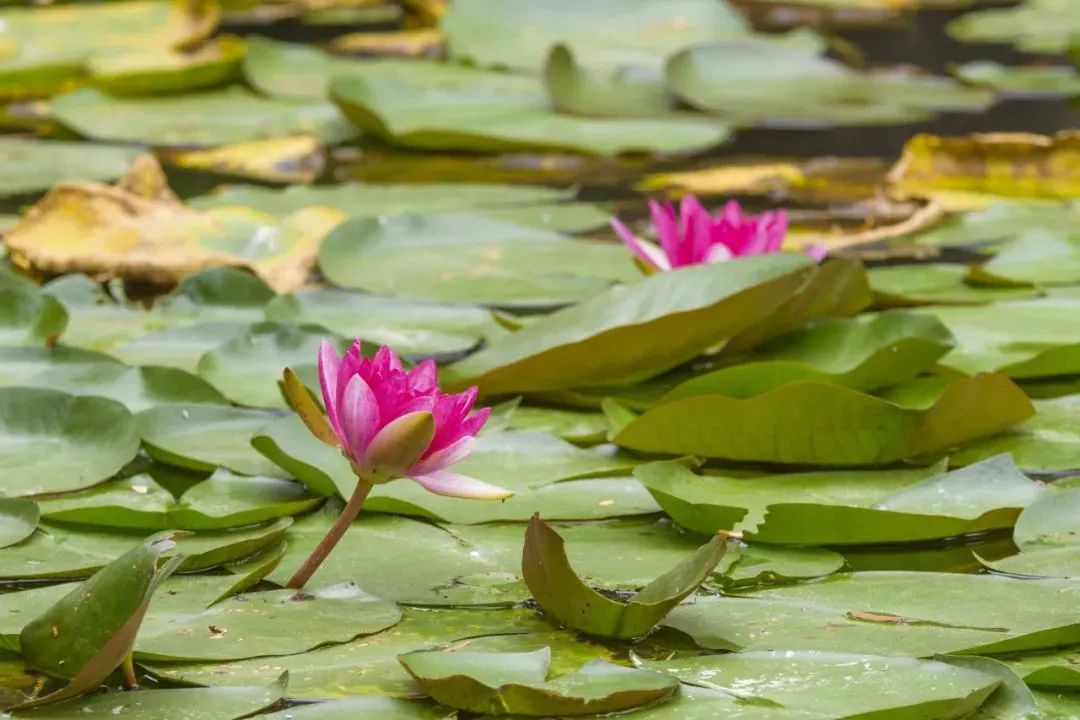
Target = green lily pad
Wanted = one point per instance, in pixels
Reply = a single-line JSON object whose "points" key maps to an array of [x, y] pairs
{"points": [[91, 630], [985, 230], [197, 703], [1052, 670], [1037, 257], [203, 437], [54, 442], [218, 117], [56, 551], [262, 624], [137, 388], [499, 263], [818, 424], [439, 106], [516, 684], [627, 91], [19, 364], [30, 318], [18, 520], [605, 32], [883, 687], [916, 614], [1026, 82], [367, 666], [936, 283], [562, 594], [223, 500], [1041, 26], [1051, 521], [760, 82], [575, 426], [1011, 701], [180, 348], [159, 72], [758, 565], [637, 330], [851, 507], [31, 165], [1046, 443], [863, 353], [370, 708], [410, 327]]}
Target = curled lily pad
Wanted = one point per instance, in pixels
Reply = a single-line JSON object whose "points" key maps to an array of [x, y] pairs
{"points": [[628, 91], [562, 594], [159, 71], [516, 684]]}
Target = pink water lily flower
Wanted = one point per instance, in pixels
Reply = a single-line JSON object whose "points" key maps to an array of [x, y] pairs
{"points": [[695, 237], [393, 423]]}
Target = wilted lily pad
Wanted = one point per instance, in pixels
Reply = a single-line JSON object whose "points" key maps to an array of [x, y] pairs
{"points": [[516, 684]]}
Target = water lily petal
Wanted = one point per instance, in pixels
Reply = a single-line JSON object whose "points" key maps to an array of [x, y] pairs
{"points": [[451, 484], [668, 231], [329, 365], [359, 412], [646, 252], [399, 444], [452, 453], [718, 253]]}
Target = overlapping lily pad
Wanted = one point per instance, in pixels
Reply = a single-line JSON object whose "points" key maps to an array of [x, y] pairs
{"points": [[202, 437]]}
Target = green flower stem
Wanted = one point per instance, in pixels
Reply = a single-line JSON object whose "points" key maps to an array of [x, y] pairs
{"points": [[131, 682], [336, 532]]}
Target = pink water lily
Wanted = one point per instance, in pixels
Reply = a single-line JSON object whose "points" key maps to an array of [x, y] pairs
{"points": [[393, 423], [695, 237], [389, 423]]}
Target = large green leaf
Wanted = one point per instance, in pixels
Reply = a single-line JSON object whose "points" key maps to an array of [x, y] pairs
{"points": [[19, 364], [1052, 670], [18, 520], [54, 442], [903, 613], [1044, 26], [883, 687], [462, 259], [369, 708], [863, 353], [572, 603], [1037, 257], [217, 117], [91, 630], [202, 437], [137, 388], [637, 330], [439, 106], [937, 283], [1047, 443], [819, 424], [28, 317], [35, 165], [635, 91], [845, 507], [495, 683]]}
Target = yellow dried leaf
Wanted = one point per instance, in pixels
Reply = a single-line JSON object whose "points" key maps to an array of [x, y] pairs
{"points": [[293, 159], [741, 178], [973, 172], [422, 42]]}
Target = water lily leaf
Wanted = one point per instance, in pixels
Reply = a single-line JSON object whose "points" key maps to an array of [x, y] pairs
{"points": [[635, 331], [237, 628], [937, 283], [372, 708], [863, 353], [562, 594], [246, 368], [369, 666], [964, 173], [1048, 26], [54, 442], [851, 507], [137, 388], [606, 32], [908, 613], [18, 520], [572, 425], [180, 347], [438, 106], [427, 258], [801, 423], [56, 551], [1011, 701], [1052, 521], [791, 85], [223, 500], [1046, 443], [629, 91], [202, 437], [91, 630], [157, 71], [30, 318], [884, 686], [1052, 670], [217, 117], [290, 159], [756, 565], [18, 364], [515, 684], [161, 704], [1036, 257], [1025, 82], [31, 165], [411, 327]]}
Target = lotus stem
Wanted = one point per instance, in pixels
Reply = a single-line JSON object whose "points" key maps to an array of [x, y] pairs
{"points": [[333, 536], [131, 682]]}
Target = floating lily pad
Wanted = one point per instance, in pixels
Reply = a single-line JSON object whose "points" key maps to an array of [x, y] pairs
{"points": [[1037, 257], [573, 604], [816, 423], [636, 330], [137, 388], [1045, 26], [202, 437], [19, 364], [30, 318], [1036, 81], [937, 283], [516, 684], [370, 708], [180, 348], [35, 165], [573, 425], [904, 613], [160, 71], [634, 91], [426, 258], [18, 520], [1053, 670], [1046, 443], [54, 442], [211, 118]]}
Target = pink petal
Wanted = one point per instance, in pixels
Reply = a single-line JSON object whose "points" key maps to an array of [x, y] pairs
{"points": [[359, 411], [452, 484], [350, 365], [732, 213], [329, 363], [647, 253], [774, 226], [817, 252], [475, 422], [453, 453], [698, 233], [718, 253], [667, 231], [424, 377]]}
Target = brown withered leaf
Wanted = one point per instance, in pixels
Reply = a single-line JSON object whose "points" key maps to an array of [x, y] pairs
{"points": [[292, 159], [966, 173], [421, 42], [139, 230]]}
